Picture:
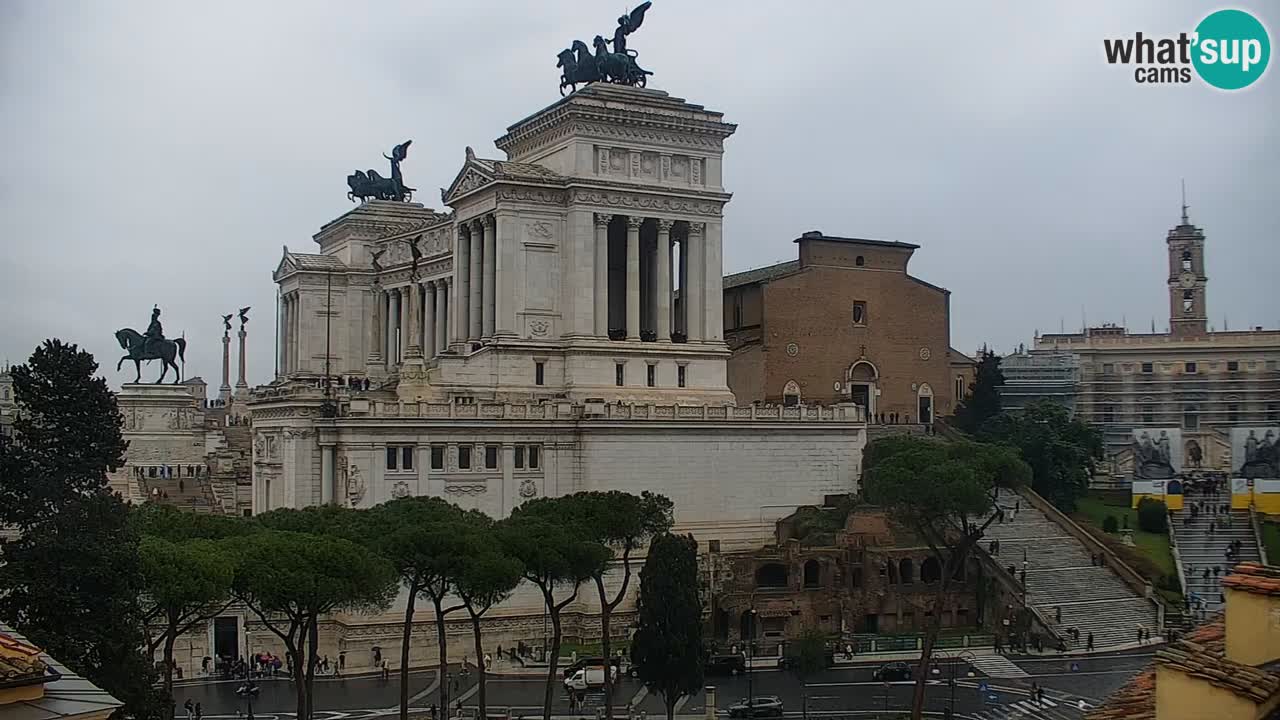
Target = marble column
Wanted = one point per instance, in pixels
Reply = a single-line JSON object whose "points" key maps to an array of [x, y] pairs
{"points": [[375, 326], [413, 319], [442, 314], [403, 310], [286, 328], [429, 320], [633, 276], [394, 294], [225, 389], [475, 298], [328, 476], [281, 339], [489, 283], [602, 275], [682, 317], [295, 337], [462, 283], [390, 325], [663, 272], [713, 270], [694, 299], [240, 381]]}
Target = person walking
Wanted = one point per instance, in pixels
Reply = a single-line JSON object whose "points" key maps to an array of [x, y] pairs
{"points": [[1057, 614], [1035, 693], [199, 711], [190, 708], [386, 671], [1089, 643]]}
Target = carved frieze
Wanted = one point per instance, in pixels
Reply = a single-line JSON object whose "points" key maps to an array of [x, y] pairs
{"points": [[633, 201], [466, 489], [534, 196]]}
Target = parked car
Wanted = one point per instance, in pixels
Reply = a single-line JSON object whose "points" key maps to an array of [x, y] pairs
{"points": [[726, 664], [588, 678], [893, 671], [589, 662], [757, 707]]}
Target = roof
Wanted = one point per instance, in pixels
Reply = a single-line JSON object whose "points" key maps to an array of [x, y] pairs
{"points": [[310, 261], [20, 662], [1201, 655], [519, 170], [1254, 578], [69, 696], [959, 357], [818, 235], [764, 274]]}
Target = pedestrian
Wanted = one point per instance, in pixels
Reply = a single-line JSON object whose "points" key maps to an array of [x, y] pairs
{"points": [[1139, 634], [1057, 614], [190, 708], [1089, 643], [1040, 695], [199, 711], [488, 662], [433, 711], [182, 487], [386, 671], [342, 659], [1022, 577], [1035, 693], [1206, 573]]}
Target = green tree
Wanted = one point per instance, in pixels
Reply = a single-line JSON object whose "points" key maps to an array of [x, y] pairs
{"points": [[667, 648], [1153, 516], [941, 492], [983, 399], [185, 583], [424, 539], [623, 523], [807, 655], [556, 555], [1061, 450], [72, 578], [290, 579], [488, 577]]}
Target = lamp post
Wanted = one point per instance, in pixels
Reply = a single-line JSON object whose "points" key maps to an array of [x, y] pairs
{"points": [[751, 652], [954, 657]]}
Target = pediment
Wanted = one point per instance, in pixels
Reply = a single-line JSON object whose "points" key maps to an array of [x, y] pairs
{"points": [[286, 266], [472, 175]]}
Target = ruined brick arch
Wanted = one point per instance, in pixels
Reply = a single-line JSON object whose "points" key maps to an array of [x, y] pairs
{"points": [[772, 575], [930, 570], [906, 571], [812, 574]]}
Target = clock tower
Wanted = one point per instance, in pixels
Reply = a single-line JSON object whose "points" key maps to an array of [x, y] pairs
{"points": [[1188, 316]]}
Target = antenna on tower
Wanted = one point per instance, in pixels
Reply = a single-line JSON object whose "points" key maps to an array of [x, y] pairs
{"points": [[1185, 221]]}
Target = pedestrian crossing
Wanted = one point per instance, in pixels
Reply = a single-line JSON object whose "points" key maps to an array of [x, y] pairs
{"points": [[998, 666], [1047, 709]]}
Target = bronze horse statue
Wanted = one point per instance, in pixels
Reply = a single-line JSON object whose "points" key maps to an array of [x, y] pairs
{"points": [[132, 342]]}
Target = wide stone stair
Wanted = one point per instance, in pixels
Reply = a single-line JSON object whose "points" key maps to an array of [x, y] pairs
{"points": [[1060, 576], [1198, 549], [190, 494]]}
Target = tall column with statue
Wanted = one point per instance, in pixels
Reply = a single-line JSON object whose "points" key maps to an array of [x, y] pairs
{"points": [[224, 391], [241, 384]]}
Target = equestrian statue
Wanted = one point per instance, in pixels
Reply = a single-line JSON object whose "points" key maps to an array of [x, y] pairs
{"points": [[372, 186], [151, 345], [619, 66]]}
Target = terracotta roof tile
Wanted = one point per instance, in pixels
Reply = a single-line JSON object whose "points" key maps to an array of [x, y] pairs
{"points": [[769, 272], [1254, 578]]}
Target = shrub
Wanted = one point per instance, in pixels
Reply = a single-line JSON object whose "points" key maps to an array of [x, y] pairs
{"points": [[1153, 516], [1111, 525], [1169, 581]]}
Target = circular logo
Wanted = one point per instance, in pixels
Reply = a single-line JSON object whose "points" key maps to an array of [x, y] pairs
{"points": [[925, 353], [1232, 49], [793, 349]]}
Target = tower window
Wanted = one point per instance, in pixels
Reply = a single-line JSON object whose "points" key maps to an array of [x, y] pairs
{"points": [[860, 313], [1186, 260], [1191, 418], [437, 457], [1188, 300], [464, 457], [1233, 413], [1148, 416], [1108, 413]]}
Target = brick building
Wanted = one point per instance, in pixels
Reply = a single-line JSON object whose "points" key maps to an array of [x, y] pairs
{"points": [[844, 323]]}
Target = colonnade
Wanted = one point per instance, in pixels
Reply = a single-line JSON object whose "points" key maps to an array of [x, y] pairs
{"points": [[411, 321], [647, 309]]}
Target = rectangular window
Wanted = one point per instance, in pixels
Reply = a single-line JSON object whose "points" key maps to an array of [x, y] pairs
{"points": [[680, 369], [650, 375], [406, 458], [860, 313], [464, 457], [1191, 419], [1147, 368], [618, 374], [437, 457], [959, 387], [1233, 413], [393, 454], [539, 373], [534, 451], [1189, 368], [1108, 368], [491, 457], [1148, 416], [519, 460], [1233, 365]]}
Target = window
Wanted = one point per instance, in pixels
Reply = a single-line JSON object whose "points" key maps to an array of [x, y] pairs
{"points": [[464, 457], [519, 458], [1191, 418], [400, 457], [812, 574], [1147, 368], [618, 370], [859, 261], [1233, 413], [772, 575], [680, 376], [1108, 368], [490, 457], [1108, 413], [1188, 300], [539, 373], [406, 457], [1233, 365], [437, 457], [534, 459], [650, 375], [791, 394], [1186, 259], [1148, 416], [859, 313], [1189, 368], [392, 455], [959, 388]]}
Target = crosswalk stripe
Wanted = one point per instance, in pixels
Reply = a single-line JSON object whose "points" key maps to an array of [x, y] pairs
{"points": [[998, 666]]}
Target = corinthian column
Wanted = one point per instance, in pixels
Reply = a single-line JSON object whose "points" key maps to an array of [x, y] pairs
{"points": [[413, 319], [240, 382], [475, 299], [375, 326], [633, 277], [663, 272], [490, 269], [429, 320], [602, 275], [695, 298], [442, 314]]}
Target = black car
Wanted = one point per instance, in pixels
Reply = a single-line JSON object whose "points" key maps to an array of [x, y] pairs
{"points": [[726, 664], [893, 671], [758, 707]]}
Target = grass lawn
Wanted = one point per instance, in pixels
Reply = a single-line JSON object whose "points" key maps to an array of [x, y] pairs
{"points": [[1153, 545], [1271, 540]]}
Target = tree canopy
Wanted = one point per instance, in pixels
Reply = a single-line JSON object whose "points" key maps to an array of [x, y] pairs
{"points": [[667, 648], [983, 399], [1061, 450]]}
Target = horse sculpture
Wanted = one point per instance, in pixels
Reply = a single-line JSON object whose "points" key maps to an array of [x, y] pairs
{"points": [[370, 185], [133, 343]]}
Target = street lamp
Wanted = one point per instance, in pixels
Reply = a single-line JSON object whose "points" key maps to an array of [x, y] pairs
{"points": [[751, 653], [248, 691], [954, 657]]}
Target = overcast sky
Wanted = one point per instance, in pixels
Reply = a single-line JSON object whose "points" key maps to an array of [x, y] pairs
{"points": [[160, 152]]}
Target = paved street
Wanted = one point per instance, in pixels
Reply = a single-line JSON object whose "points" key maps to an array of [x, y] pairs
{"points": [[840, 691]]}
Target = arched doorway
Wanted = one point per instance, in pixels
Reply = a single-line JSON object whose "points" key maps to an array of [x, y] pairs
{"points": [[746, 626], [924, 402], [861, 381], [791, 393]]}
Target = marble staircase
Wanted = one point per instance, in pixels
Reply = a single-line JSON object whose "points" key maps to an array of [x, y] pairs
{"points": [[1061, 579], [1200, 550]]}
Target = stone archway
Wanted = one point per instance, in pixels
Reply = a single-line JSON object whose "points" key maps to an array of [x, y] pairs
{"points": [[924, 404], [791, 393], [861, 382]]}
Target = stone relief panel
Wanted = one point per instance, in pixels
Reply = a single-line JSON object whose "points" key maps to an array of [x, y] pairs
{"points": [[540, 280], [539, 327]]}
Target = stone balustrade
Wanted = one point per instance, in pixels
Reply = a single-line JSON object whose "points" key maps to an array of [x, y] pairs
{"points": [[361, 407]]}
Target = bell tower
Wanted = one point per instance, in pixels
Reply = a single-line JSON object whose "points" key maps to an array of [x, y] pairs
{"points": [[1188, 315]]}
